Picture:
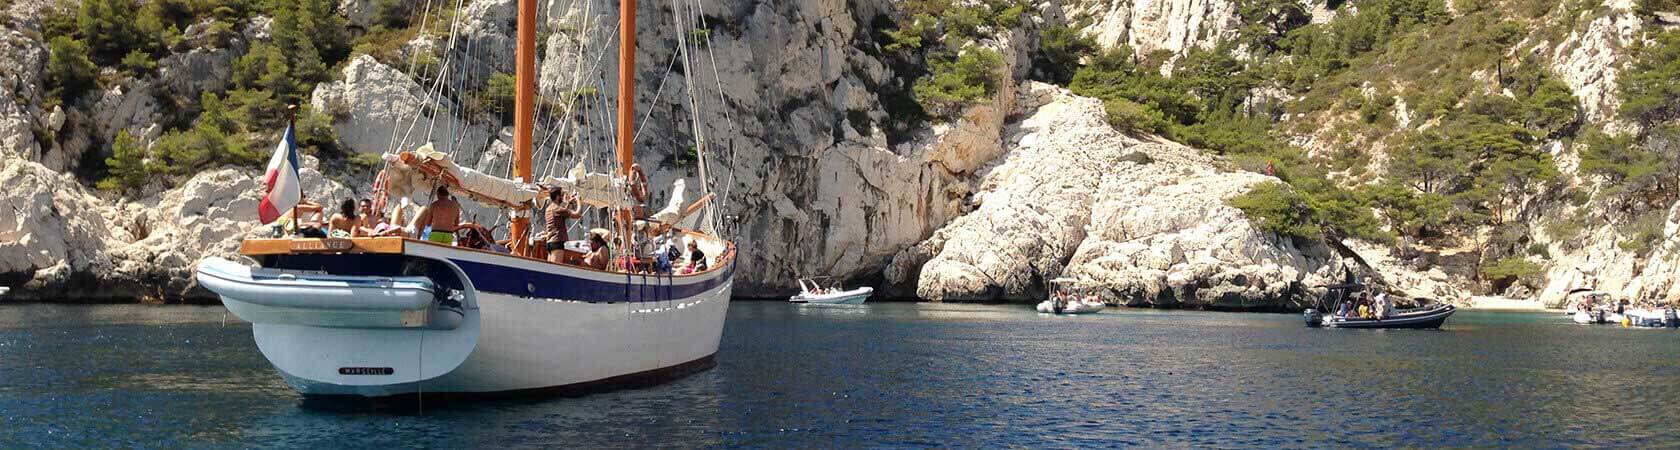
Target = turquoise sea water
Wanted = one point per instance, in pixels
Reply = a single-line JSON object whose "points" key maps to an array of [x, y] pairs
{"points": [[892, 375]]}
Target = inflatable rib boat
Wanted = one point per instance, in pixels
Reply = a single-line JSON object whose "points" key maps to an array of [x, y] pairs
{"points": [[273, 296]]}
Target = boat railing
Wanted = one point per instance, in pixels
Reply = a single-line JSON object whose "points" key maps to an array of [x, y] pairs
{"points": [[397, 245]]}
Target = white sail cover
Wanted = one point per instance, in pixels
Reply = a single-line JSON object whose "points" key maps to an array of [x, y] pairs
{"points": [[598, 190], [428, 168], [674, 207]]}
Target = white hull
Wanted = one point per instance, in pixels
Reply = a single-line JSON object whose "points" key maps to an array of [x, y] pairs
{"points": [[533, 344], [1071, 308], [852, 297], [505, 342]]}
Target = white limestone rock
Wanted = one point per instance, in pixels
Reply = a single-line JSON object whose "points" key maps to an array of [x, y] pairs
{"points": [[1149, 25], [1589, 60], [69, 243], [1143, 219], [375, 101]]}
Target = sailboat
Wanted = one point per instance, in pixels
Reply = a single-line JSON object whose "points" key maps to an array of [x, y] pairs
{"points": [[390, 316]]}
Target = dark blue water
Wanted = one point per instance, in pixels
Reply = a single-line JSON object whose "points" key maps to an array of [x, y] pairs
{"points": [[892, 375]]}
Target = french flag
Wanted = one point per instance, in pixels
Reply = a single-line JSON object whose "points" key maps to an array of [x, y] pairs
{"points": [[282, 188]]}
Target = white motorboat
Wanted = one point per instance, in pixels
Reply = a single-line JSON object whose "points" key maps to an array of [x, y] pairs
{"points": [[1067, 297], [1072, 307], [827, 291], [4, 290], [386, 316], [1587, 317], [1649, 318]]}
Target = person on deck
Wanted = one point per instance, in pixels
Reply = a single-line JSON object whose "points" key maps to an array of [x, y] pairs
{"points": [[308, 215], [598, 258], [560, 209], [347, 223], [442, 216], [1384, 306], [639, 189], [696, 258]]}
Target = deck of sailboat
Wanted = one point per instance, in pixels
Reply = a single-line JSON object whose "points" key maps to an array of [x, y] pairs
{"points": [[399, 245]]}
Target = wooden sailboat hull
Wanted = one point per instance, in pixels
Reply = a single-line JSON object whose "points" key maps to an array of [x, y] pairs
{"points": [[528, 325]]}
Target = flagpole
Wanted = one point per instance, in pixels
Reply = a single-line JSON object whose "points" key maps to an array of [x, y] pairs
{"points": [[291, 124]]}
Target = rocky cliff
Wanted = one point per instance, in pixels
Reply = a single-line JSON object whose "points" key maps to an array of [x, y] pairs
{"points": [[823, 175]]}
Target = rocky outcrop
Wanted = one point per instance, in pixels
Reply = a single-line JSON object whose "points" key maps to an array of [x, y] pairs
{"points": [[60, 241], [1142, 219], [377, 108], [23, 122], [1590, 59], [1150, 25], [1597, 259]]}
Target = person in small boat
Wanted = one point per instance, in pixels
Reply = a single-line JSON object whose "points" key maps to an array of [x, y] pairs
{"points": [[1345, 308], [560, 209], [441, 218], [1384, 306], [598, 258], [696, 258], [347, 223]]}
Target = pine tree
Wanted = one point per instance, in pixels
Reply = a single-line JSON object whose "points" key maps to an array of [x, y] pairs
{"points": [[69, 71], [127, 164]]}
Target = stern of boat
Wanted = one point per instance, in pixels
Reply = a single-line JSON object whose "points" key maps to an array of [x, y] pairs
{"points": [[362, 324]]}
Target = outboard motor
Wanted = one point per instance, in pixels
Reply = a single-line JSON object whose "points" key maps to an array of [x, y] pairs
{"points": [[1314, 318], [447, 311]]}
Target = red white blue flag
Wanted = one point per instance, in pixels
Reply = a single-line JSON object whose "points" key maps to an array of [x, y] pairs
{"points": [[281, 185]]}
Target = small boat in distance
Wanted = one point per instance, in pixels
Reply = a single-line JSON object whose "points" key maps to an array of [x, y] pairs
{"points": [[4, 290], [1066, 297], [1361, 311], [828, 291]]}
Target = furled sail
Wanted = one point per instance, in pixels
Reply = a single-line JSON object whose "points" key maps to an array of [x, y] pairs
{"points": [[414, 174], [595, 189]]}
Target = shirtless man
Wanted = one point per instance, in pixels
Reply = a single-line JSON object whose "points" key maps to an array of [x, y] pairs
{"points": [[443, 215], [639, 189], [309, 217], [560, 209]]}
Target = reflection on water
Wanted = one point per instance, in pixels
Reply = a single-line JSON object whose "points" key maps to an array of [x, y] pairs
{"points": [[895, 375]]}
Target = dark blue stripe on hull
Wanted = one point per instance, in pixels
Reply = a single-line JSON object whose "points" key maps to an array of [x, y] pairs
{"points": [[519, 282]]}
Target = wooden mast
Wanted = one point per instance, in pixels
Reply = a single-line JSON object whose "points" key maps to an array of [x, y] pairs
{"points": [[626, 102], [524, 115]]}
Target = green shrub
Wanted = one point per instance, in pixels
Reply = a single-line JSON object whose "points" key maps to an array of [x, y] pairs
{"points": [[112, 27], [1566, 230], [1130, 117], [1059, 50], [1277, 209], [127, 168], [1510, 269], [952, 86], [1648, 91], [1644, 234], [392, 14], [69, 71], [138, 63]]}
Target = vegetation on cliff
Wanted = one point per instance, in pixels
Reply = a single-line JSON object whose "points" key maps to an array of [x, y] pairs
{"points": [[307, 38]]}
